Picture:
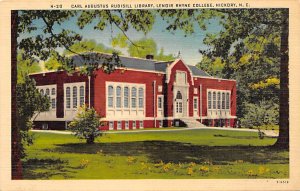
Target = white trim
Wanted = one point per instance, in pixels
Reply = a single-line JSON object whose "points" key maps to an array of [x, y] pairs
{"points": [[160, 110], [169, 70], [196, 114], [214, 78], [218, 113]]}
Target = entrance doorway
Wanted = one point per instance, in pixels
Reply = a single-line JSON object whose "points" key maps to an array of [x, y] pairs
{"points": [[178, 105]]}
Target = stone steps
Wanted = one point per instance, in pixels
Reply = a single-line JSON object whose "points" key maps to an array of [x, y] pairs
{"points": [[192, 123]]}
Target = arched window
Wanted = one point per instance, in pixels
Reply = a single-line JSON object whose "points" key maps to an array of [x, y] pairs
{"points": [[133, 97], [53, 91], [74, 97], [126, 97], [209, 100], [81, 95], [178, 95], [47, 92], [42, 91], [141, 97], [110, 96], [219, 100], [68, 98], [223, 100], [214, 100], [227, 100], [118, 97]]}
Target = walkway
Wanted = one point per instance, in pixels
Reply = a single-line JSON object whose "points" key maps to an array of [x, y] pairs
{"points": [[268, 133]]}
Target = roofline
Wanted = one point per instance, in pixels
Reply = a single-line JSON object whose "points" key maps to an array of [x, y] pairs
{"points": [[214, 78]]}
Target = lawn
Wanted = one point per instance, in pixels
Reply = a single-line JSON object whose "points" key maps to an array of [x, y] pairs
{"points": [[198, 154]]}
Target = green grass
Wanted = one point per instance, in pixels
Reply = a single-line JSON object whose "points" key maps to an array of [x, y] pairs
{"points": [[165, 155]]}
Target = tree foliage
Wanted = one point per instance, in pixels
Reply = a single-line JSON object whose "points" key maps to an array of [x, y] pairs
{"points": [[25, 67], [30, 102], [86, 124]]}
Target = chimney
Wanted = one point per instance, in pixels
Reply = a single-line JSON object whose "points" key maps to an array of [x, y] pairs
{"points": [[149, 56]]}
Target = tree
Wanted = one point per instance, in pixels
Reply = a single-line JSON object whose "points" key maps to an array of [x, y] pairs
{"points": [[250, 39], [86, 124], [30, 102], [25, 66]]}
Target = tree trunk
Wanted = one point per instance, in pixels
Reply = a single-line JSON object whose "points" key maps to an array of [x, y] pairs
{"points": [[283, 139], [15, 131], [90, 140]]}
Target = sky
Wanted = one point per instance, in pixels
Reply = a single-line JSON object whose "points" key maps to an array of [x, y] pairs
{"points": [[172, 43]]}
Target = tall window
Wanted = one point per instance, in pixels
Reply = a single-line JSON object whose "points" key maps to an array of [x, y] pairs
{"points": [[133, 97], [53, 103], [227, 100], [219, 100], [159, 102], [223, 100], [141, 97], [110, 96], [53, 91], [195, 103], [214, 100], [47, 92], [133, 125], [209, 100], [81, 95], [126, 98], [118, 97], [68, 97], [119, 125], [74, 97], [42, 91]]}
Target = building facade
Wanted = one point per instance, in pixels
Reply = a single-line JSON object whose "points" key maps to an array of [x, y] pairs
{"points": [[144, 93]]}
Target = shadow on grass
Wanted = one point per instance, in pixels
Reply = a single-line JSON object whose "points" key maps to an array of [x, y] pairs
{"points": [[45, 168], [175, 152]]}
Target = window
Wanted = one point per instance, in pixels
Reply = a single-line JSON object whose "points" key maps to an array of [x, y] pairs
{"points": [[53, 91], [160, 88], [133, 97], [68, 98], [141, 97], [180, 78], [110, 96], [133, 125], [81, 95], [159, 102], [53, 103], [195, 103], [111, 125], [178, 95], [126, 124], [74, 97], [47, 92], [118, 97], [195, 90], [219, 100], [42, 91], [141, 124], [126, 99], [160, 123], [214, 100], [223, 100], [209, 100], [227, 100], [119, 125]]}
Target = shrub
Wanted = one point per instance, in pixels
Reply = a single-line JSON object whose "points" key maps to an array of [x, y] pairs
{"points": [[86, 124]]}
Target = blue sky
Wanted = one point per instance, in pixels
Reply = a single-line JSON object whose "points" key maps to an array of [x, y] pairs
{"points": [[172, 43]]}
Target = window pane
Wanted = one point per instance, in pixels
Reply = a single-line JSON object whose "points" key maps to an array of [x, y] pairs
{"points": [[227, 100], [209, 100], [219, 100], [195, 103], [214, 100], [223, 100], [133, 97], [118, 93], [74, 97], [110, 90], [42, 91], [126, 94], [53, 91], [47, 91], [159, 102], [110, 96], [141, 97], [110, 102], [68, 98], [81, 93], [53, 103]]}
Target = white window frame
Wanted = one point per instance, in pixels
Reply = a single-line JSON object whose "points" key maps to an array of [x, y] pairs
{"points": [[217, 91], [119, 125], [133, 124], [126, 125], [71, 85], [43, 89], [141, 124], [111, 125]]}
